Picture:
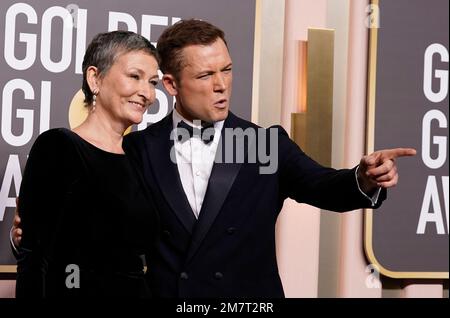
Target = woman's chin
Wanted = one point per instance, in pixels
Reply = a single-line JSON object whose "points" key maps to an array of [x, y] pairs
{"points": [[136, 119]]}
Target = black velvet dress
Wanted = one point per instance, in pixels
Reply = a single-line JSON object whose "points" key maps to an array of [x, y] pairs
{"points": [[87, 221]]}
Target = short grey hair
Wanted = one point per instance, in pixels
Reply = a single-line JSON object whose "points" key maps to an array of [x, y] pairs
{"points": [[104, 49]]}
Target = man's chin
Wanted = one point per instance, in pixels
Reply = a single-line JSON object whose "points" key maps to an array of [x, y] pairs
{"points": [[219, 116]]}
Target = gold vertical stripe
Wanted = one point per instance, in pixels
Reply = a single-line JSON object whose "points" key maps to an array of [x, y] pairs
{"points": [[298, 129], [256, 62], [319, 96]]}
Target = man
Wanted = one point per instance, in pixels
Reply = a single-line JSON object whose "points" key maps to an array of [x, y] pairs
{"points": [[218, 217]]}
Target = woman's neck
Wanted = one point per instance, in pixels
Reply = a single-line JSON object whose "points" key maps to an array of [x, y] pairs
{"points": [[102, 132]]}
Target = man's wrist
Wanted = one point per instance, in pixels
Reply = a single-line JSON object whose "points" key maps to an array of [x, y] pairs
{"points": [[364, 184], [371, 192], [16, 248]]}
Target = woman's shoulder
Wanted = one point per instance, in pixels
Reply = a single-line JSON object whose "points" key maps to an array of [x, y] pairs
{"points": [[53, 151], [54, 140], [56, 134]]}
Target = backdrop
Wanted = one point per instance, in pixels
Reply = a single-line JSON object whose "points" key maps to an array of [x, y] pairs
{"points": [[43, 44], [409, 233]]}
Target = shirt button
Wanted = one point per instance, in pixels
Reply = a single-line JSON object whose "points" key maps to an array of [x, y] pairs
{"points": [[197, 173], [231, 230], [218, 275], [184, 276]]}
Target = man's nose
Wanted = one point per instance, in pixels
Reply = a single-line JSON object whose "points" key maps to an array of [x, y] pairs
{"points": [[219, 82]]}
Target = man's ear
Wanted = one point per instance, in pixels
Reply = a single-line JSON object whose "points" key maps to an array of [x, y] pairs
{"points": [[170, 84], [92, 78]]}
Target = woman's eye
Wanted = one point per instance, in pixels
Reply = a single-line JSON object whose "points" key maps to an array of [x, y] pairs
{"points": [[134, 76]]}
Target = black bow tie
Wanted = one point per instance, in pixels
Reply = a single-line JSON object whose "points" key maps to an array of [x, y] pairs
{"points": [[206, 133]]}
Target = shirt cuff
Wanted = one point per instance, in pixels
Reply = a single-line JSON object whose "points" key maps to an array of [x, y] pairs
{"points": [[12, 242], [374, 198]]}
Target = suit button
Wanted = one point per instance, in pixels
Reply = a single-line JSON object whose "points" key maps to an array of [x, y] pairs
{"points": [[231, 230], [184, 276], [218, 275], [166, 234]]}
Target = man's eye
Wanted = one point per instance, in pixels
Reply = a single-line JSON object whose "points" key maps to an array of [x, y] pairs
{"points": [[134, 76]]}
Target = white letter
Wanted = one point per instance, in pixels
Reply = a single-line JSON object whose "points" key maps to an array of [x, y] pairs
{"points": [[116, 17], [81, 39], [431, 197], [148, 20], [441, 141], [162, 112], [272, 158], [435, 48], [26, 114], [46, 95], [66, 40], [29, 39], [73, 280], [12, 173]]}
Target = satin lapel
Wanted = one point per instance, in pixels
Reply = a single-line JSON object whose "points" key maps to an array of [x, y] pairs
{"points": [[159, 146], [219, 185]]}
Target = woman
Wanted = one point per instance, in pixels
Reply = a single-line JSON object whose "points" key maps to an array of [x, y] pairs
{"points": [[86, 216]]}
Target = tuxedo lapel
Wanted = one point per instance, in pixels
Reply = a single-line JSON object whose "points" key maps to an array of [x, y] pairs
{"points": [[159, 147], [220, 182]]}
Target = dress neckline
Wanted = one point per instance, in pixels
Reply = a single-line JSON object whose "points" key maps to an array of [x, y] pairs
{"points": [[94, 146]]}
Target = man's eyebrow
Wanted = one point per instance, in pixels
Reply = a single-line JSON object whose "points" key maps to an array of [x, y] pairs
{"points": [[209, 71]]}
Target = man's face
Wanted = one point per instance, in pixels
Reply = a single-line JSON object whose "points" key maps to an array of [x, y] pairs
{"points": [[203, 89]]}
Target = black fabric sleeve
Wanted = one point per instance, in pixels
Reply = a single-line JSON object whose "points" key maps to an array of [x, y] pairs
{"points": [[306, 181]]}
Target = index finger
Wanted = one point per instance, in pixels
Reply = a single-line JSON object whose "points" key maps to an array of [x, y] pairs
{"points": [[399, 152]]}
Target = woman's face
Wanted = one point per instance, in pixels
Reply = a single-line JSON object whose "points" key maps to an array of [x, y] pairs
{"points": [[127, 89]]}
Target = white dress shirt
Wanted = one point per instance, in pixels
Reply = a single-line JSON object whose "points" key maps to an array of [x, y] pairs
{"points": [[195, 160]]}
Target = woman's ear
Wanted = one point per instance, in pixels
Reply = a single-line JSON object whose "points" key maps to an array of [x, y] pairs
{"points": [[170, 84], [92, 78]]}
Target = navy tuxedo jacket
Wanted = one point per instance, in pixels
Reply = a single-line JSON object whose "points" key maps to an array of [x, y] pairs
{"points": [[230, 250]]}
